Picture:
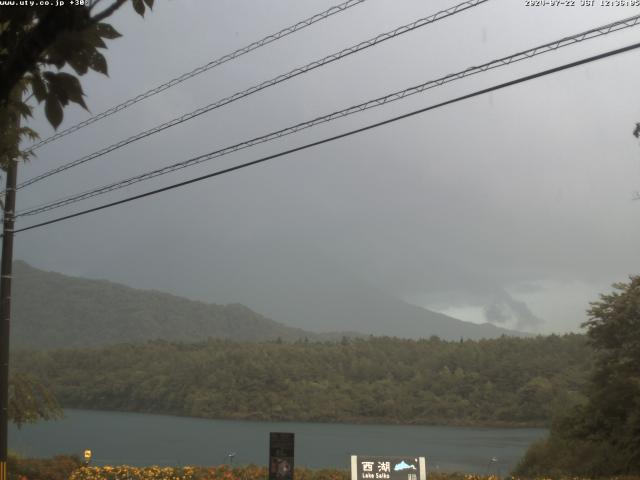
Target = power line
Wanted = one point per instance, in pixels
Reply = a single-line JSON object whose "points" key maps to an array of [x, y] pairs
{"points": [[548, 47], [269, 83], [203, 68], [342, 135]]}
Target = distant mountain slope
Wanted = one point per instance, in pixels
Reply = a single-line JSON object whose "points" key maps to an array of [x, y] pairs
{"points": [[51, 310], [334, 305], [301, 288]]}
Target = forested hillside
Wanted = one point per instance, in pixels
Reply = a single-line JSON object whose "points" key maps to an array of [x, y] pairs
{"points": [[53, 311], [601, 437], [506, 381]]}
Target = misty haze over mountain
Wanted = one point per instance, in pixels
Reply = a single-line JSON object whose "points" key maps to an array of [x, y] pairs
{"points": [[53, 310], [513, 208]]}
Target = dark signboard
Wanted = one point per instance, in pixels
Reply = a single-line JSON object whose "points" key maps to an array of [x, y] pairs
{"points": [[281, 456], [388, 468]]}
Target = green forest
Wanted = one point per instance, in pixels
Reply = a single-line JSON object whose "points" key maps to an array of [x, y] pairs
{"points": [[499, 382], [601, 436]]}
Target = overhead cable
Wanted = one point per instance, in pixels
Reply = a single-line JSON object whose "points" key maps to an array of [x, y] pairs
{"points": [[504, 61], [342, 135], [201, 69], [269, 83]]}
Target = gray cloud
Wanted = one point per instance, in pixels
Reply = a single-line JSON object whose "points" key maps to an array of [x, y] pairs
{"points": [[528, 186], [505, 308], [495, 313]]}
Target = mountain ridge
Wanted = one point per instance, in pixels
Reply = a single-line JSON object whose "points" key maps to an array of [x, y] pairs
{"points": [[52, 310]]}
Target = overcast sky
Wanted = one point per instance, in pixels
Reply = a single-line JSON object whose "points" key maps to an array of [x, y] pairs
{"points": [[513, 207]]}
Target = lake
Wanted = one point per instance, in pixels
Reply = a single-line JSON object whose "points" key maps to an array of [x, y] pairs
{"points": [[141, 439]]}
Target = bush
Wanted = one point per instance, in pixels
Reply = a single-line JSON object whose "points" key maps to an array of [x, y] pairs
{"points": [[56, 468], [555, 456], [223, 472]]}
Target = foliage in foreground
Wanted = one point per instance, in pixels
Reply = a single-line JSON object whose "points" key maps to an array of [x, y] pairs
{"points": [[57, 468], [505, 381], [601, 437], [225, 472], [37, 42], [242, 473], [70, 468], [31, 401]]}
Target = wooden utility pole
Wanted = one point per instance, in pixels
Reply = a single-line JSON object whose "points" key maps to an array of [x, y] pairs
{"points": [[6, 268]]}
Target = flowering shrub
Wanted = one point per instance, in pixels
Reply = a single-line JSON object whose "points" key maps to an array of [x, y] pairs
{"points": [[56, 468], [223, 472]]}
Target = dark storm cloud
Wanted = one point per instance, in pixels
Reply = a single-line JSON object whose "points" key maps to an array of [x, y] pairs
{"points": [[525, 192]]}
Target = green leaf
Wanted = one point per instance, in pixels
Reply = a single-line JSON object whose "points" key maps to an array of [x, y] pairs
{"points": [[23, 109], [55, 58], [4, 26], [98, 63], [107, 31], [67, 44], [138, 6], [91, 37], [149, 3], [79, 62], [53, 110], [38, 87], [55, 89], [28, 132], [70, 85]]}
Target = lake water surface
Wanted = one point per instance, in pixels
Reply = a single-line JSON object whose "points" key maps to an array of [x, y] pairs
{"points": [[140, 439]]}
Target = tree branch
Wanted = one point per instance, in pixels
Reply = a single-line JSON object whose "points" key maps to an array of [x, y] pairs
{"points": [[46, 32], [107, 12]]}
